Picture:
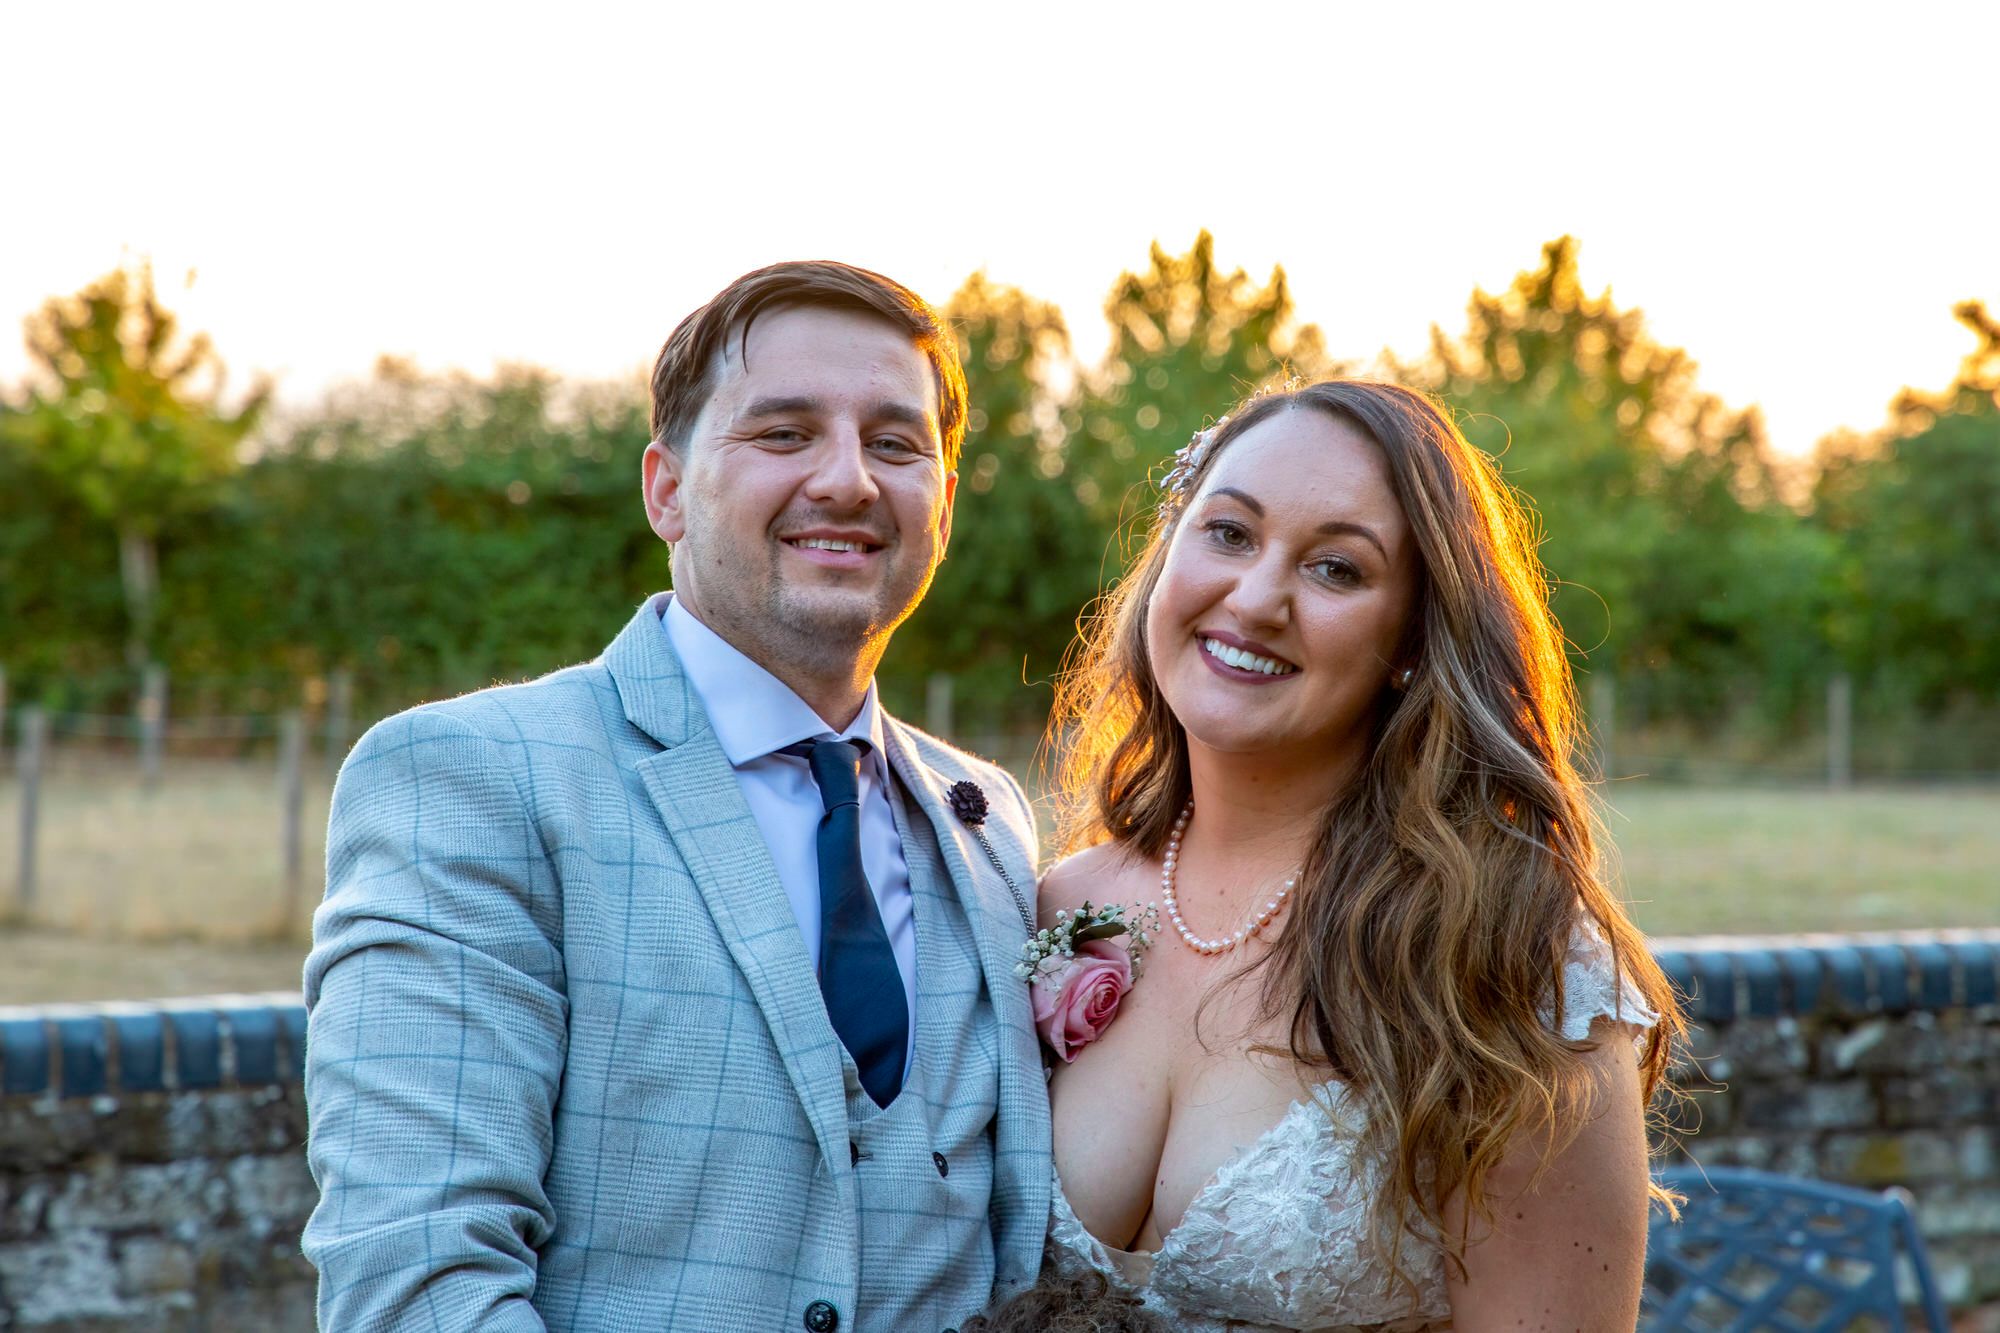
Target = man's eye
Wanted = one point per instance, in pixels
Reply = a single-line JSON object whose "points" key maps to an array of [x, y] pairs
{"points": [[784, 435], [896, 443]]}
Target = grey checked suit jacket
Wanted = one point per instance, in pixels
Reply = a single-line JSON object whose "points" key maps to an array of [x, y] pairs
{"points": [[567, 1062]]}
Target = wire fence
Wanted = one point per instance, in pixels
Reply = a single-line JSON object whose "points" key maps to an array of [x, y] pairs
{"points": [[234, 803]]}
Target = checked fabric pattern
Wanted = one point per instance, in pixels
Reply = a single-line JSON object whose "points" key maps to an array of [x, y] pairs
{"points": [[567, 1062]]}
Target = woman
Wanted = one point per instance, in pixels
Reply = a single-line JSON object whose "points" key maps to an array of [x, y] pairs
{"points": [[1380, 1070]]}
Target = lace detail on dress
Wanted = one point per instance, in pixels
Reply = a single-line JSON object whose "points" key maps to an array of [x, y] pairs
{"points": [[1594, 988], [1278, 1240]]}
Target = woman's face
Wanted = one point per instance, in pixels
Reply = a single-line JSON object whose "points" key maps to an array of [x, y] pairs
{"points": [[1286, 591]]}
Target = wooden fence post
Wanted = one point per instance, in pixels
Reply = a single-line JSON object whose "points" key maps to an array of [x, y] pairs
{"points": [[1840, 731], [1603, 718], [339, 717], [34, 740], [291, 789], [152, 724], [937, 705]]}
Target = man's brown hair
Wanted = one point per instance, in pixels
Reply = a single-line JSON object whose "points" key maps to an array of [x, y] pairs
{"points": [[684, 373]]}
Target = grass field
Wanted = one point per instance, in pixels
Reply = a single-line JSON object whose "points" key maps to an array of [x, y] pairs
{"points": [[180, 891]]}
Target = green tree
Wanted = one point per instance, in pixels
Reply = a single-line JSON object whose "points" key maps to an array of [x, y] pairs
{"points": [[1188, 341], [1916, 514], [127, 422], [1025, 551], [1673, 552], [428, 533]]}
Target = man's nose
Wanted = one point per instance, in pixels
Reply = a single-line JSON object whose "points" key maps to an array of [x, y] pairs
{"points": [[840, 476]]}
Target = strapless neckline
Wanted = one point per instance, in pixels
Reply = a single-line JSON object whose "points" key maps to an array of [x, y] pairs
{"points": [[1281, 1238], [1322, 1097]]}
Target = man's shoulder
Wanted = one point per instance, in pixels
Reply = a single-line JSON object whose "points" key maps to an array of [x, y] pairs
{"points": [[957, 764], [948, 758], [562, 708]]}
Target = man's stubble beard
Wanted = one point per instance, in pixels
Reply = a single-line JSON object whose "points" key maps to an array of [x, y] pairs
{"points": [[823, 631]]}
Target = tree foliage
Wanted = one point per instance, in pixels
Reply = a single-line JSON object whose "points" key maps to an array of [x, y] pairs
{"points": [[1188, 342], [1672, 552], [1915, 514], [127, 423], [1025, 553], [433, 533]]}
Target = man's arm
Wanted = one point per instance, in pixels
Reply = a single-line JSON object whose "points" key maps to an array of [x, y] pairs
{"points": [[436, 1036]]}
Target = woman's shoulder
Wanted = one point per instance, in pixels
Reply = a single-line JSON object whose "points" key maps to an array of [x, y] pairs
{"points": [[1102, 873]]}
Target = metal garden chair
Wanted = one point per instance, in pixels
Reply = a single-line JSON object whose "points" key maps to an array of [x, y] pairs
{"points": [[1756, 1251]]}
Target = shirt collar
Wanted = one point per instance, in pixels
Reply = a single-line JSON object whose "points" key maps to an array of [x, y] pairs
{"points": [[752, 712]]}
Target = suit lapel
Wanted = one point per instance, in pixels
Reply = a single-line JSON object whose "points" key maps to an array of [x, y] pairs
{"points": [[694, 787], [989, 904]]}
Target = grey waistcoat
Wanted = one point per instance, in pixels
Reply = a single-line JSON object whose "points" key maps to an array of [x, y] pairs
{"points": [[924, 1164]]}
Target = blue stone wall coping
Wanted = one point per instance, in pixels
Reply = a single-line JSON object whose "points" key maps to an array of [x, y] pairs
{"points": [[1724, 977], [248, 1041], [207, 1041]]}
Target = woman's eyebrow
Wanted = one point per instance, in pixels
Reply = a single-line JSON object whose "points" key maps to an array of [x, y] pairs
{"points": [[1331, 528], [1340, 528]]}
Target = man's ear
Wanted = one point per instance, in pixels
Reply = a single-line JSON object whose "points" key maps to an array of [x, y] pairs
{"points": [[661, 475], [944, 519]]}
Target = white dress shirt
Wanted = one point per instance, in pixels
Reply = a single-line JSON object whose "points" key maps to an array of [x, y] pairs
{"points": [[754, 715]]}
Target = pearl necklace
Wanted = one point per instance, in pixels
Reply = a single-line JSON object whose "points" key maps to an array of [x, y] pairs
{"points": [[1194, 941]]}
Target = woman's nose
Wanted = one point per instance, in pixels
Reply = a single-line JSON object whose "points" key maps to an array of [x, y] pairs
{"points": [[1262, 593]]}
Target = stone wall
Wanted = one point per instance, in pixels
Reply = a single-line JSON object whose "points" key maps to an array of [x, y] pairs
{"points": [[152, 1172], [152, 1167], [1870, 1061]]}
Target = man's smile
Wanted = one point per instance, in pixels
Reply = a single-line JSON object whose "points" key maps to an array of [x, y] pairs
{"points": [[834, 548]]}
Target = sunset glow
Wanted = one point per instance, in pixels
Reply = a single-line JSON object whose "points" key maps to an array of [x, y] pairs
{"points": [[1799, 207]]}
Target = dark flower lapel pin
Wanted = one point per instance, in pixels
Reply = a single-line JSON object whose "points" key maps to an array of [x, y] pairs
{"points": [[968, 802]]}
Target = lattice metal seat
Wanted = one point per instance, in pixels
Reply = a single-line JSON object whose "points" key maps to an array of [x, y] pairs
{"points": [[1756, 1251]]}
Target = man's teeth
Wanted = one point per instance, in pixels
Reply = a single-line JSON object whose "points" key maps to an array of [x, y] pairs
{"points": [[828, 544], [1236, 657]]}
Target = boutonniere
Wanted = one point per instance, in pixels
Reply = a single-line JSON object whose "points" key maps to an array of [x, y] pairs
{"points": [[968, 802], [1077, 977]]}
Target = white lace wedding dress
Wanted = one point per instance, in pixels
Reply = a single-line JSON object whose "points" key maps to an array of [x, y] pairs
{"points": [[1277, 1239]]}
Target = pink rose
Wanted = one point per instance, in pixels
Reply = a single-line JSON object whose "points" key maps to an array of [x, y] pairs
{"points": [[1074, 1005]]}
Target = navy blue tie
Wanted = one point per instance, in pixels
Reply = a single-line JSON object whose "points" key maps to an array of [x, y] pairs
{"points": [[858, 977]]}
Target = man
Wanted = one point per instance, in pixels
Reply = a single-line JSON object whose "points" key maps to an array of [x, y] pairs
{"points": [[675, 990]]}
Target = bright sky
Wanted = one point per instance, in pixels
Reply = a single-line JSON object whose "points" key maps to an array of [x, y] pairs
{"points": [[1798, 196]]}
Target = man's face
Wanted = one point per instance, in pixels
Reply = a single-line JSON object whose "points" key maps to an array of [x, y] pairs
{"points": [[809, 507]]}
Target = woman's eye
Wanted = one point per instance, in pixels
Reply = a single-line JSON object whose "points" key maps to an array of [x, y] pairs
{"points": [[1227, 534], [1337, 571]]}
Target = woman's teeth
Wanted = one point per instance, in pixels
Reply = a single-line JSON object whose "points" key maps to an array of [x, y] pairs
{"points": [[1243, 661]]}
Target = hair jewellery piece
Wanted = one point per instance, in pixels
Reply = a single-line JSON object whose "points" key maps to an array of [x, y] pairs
{"points": [[1178, 485]]}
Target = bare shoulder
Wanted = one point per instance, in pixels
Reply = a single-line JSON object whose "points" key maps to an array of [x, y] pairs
{"points": [[1108, 872]]}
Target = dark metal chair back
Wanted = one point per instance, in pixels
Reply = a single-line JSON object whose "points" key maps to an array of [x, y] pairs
{"points": [[1756, 1251]]}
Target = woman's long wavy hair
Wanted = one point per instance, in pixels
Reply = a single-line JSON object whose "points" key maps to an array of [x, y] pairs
{"points": [[1437, 904]]}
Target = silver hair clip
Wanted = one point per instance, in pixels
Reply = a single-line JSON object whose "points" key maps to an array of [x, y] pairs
{"points": [[1178, 486]]}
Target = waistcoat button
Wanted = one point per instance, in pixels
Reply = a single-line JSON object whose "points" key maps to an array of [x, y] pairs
{"points": [[938, 1161], [821, 1317]]}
